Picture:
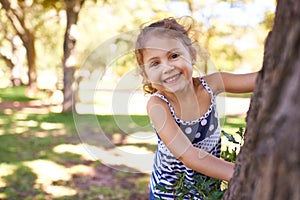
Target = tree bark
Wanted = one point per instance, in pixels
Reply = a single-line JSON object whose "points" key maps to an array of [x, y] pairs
{"points": [[72, 10], [268, 164]]}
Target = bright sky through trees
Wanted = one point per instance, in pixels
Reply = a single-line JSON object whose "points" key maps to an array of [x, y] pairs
{"points": [[239, 14]]}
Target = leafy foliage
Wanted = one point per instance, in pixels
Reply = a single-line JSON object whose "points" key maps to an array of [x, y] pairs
{"points": [[206, 187]]}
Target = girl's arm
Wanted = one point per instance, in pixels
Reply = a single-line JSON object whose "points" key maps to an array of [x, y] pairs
{"points": [[181, 147], [234, 83]]}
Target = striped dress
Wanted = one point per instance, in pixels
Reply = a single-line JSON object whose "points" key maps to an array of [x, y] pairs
{"points": [[204, 133]]}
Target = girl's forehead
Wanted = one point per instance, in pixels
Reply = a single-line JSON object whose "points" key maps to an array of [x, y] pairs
{"points": [[163, 43]]}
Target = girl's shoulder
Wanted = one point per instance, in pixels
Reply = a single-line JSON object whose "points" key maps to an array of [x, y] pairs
{"points": [[214, 81], [157, 101]]}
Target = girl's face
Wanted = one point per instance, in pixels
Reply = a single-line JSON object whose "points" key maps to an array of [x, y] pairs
{"points": [[167, 64]]}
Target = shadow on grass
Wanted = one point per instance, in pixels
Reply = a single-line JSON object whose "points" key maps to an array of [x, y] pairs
{"points": [[41, 157]]}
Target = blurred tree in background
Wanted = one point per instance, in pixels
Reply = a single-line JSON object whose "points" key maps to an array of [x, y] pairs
{"points": [[43, 43], [72, 8], [26, 25]]}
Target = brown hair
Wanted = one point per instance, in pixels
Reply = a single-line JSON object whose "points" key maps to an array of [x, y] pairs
{"points": [[170, 27]]}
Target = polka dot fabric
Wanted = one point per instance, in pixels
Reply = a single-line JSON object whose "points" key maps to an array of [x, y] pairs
{"points": [[204, 133]]}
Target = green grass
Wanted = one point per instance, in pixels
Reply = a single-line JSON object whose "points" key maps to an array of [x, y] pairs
{"points": [[231, 124], [22, 143], [29, 138], [242, 95], [18, 94], [36, 145]]}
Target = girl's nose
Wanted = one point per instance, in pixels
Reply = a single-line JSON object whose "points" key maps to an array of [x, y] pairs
{"points": [[168, 68]]}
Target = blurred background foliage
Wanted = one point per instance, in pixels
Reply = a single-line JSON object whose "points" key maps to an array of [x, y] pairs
{"points": [[36, 138], [234, 41]]}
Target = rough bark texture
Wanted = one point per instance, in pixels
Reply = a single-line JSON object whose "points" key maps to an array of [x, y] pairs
{"points": [[269, 162]]}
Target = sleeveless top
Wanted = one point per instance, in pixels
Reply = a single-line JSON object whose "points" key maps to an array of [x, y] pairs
{"points": [[204, 133]]}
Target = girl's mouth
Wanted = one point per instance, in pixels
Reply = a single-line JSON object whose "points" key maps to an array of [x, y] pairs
{"points": [[172, 79]]}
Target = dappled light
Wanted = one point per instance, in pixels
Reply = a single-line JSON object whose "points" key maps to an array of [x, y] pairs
{"points": [[44, 153], [138, 159], [18, 130], [46, 150], [48, 171], [59, 191], [6, 169], [30, 123], [121, 155], [71, 148], [31, 107], [7, 111], [51, 126], [141, 138]]}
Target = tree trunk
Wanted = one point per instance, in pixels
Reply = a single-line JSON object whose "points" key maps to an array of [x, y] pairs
{"points": [[31, 61], [17, 17], [69, 60], [269, 162]]}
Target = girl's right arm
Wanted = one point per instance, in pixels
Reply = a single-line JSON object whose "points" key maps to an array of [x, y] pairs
{"points": [[181, 147]]}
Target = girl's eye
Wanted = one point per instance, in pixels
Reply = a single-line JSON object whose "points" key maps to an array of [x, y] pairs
{"points": [[174, 56], [154, 64]]}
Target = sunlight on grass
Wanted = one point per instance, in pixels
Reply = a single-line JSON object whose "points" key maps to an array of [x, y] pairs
{"points": [[21, 116], [8, 111], [139, 159], [3, 121], [43, 134], [29, 123], [59, 191], [48, 172], [46, 176], [19, 130], [75, 149], [3, 196], [51, 126], [127, 155], [231, 126], [132, 149], [82, 169], [18, 94], [141, 137], [47, 161], [6, 169]]}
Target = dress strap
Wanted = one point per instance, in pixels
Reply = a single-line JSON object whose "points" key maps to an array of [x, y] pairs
{"points": [[172, 110], [161, 97], [208, 89], [169, 104]]}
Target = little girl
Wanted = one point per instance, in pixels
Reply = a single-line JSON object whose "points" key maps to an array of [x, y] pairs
{"points": [[182, 109]]}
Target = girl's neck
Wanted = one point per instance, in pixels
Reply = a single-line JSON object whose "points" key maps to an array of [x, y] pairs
{"points": [[185, 96], [187, 105]]}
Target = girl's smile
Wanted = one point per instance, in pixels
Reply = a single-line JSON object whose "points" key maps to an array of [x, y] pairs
{"points": [[173, 78]]}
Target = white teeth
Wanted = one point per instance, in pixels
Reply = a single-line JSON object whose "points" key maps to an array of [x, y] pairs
{"points": [[172, 78]]}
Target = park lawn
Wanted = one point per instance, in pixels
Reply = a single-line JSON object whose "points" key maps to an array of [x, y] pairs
{"points": [[42, 157], [11, 94]]}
